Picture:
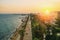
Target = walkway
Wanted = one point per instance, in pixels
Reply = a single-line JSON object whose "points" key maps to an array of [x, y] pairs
{"points": [[28, 31]]}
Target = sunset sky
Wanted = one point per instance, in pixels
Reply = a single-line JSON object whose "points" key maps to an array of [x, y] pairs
{"points": [[28, 6]]}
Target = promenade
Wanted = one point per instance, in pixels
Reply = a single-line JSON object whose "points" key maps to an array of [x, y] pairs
{"points": [[27, 34], [28, 31]]}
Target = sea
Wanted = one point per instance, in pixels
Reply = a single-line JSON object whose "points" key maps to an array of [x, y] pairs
{"points": [[9, 23]]}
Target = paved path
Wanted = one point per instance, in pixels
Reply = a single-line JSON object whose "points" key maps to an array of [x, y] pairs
{"points": [[28, 33], [16, 35]]}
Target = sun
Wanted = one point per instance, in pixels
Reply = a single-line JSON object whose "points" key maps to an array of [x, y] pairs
{"points": [[45, 17], [46, 13]]}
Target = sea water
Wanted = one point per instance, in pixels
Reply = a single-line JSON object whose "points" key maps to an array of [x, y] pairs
{"points": [[8, 24]]}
